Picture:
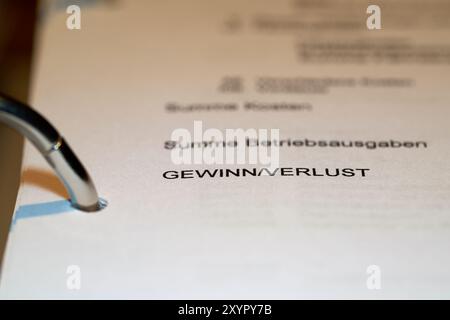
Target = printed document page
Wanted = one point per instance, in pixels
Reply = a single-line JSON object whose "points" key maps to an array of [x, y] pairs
{"points": [[246, 149]]}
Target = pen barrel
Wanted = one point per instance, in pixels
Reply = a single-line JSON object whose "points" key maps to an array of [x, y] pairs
{"points": [[76, 179], [57, 152]]}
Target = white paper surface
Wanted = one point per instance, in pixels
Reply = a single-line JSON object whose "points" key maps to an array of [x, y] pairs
{"points": [[107, 86]]}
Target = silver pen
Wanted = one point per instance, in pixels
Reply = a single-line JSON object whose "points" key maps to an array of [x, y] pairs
{"points": [[28, 122]]}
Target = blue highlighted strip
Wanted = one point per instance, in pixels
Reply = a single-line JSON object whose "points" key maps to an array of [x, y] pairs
{"points": [[42, 209]]}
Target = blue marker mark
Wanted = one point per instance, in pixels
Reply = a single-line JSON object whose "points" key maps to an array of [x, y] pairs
{"points": [[42, 209]]}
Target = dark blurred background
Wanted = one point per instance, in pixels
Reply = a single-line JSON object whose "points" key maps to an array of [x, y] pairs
{"points": [[17, 20]]}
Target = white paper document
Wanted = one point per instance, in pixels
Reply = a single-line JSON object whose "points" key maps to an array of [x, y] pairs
{"points": [[356, 205]]}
